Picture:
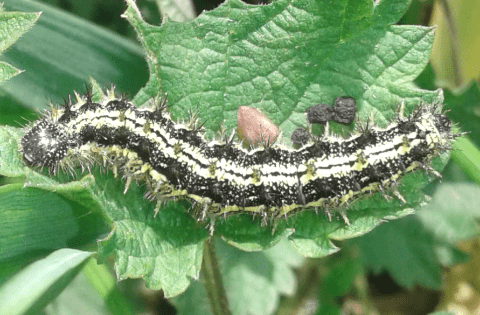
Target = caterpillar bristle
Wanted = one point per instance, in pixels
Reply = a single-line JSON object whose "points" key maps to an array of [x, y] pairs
{"points": [[327, 212], [344, 217], [400, 111], [398, 195], [88, 95]]}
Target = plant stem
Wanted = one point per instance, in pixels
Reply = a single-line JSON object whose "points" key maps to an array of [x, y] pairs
{"points": [[213, 281], [466, 155], [456, 52]]}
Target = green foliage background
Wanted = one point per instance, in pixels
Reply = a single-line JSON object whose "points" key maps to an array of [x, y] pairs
{"points": [[282, 58]]}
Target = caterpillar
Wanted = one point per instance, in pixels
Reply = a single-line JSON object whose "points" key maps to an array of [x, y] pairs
{"points": [[175, 159]]}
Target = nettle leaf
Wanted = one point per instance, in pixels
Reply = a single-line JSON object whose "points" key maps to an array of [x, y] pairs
{"points": [[177, 11], [166, 250], [283, 58]]}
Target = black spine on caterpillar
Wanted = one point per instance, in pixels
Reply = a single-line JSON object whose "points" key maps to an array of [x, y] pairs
{"points": [[176, 160]]}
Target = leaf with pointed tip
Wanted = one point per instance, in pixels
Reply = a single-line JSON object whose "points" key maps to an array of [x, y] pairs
{"points": [[283, 58]]}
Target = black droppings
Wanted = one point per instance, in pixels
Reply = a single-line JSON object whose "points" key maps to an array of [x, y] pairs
{"points": [[319, 114], [300, 136], [344, 109]]}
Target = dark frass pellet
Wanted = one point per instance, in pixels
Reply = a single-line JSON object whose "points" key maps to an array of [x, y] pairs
{"points": [[299, 136], [319, 114], [344, 109]]}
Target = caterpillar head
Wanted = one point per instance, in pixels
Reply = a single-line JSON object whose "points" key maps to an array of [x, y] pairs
{"points": [[45, 144]]}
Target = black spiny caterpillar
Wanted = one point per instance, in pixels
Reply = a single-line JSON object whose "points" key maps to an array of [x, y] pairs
{"points": [[175, 160]]}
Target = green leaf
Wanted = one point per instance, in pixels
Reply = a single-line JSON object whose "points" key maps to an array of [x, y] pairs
{"points": [[253, 281], [35, 286], [463, 109], [339, 278], [411, 249], [104, 283], [178, 11], [44, 217], [467, 155], [10, 162], [13, 112], [24, 228], [78, 298], [451, 215], [7, 71], [62, 51], [256, 57], [250, 237], [284, 57], [336, 283], [12, 26], [165, 250], [403, 248]]}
